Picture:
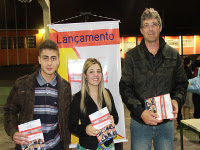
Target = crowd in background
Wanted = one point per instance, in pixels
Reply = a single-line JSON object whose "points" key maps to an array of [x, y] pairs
{"points": [[191, 66]]}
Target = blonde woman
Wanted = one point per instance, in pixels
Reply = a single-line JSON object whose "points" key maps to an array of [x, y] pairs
{"points": [[92, 97]]}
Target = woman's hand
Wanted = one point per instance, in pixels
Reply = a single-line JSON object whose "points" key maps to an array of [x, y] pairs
{"points": [[91, 131], [112, 120]]}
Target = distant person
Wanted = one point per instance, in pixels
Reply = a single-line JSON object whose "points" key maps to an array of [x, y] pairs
{"points": [[196, 97], [196, 63], [43, 95], [151, 69], [91, 98], [188, 102]]}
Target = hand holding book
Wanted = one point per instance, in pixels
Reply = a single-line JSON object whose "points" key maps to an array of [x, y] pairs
{"points": [[91, 131], [112, 119], [175, 109], [34, 135], [149, 117], [20, 138], [162, 106], [104, 123]]}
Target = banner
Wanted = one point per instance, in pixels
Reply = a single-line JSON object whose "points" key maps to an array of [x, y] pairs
{"points": [[79, 41]]}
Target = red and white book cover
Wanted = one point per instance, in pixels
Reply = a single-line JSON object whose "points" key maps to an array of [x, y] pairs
{"points": [[161, 105], [33, 130], [101, 120]]}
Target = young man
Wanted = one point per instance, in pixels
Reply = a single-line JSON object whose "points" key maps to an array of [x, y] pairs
{"points": [[43, 95], [151, 69]]}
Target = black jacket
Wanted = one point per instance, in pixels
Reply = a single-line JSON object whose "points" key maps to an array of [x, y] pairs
{"points": [[86, 141], [142, 79]]}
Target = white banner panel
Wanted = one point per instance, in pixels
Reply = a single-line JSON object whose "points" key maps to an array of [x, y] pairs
{"points": [[79, 41]]}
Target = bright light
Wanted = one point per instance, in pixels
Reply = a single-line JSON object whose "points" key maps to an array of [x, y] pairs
{"points": [[24, 1], [42, 31]]}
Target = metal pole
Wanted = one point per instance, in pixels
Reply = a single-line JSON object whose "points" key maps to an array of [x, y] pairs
{"points": [[45, 4], [6, 33], [181, 135], [26, 1], [16, 33], [26, 36]]}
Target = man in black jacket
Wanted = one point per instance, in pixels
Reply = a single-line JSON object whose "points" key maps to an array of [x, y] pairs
{"points": [[151, 69]]}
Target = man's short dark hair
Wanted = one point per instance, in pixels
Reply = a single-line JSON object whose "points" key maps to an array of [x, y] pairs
{"points": [[48, 44]]}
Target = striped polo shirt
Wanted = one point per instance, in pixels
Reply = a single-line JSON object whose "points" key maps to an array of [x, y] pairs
{"points": [[46, 109]]}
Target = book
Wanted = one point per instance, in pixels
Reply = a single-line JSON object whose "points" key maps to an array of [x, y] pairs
{"points": [[161, 105], [33, 130], [101, 120]]}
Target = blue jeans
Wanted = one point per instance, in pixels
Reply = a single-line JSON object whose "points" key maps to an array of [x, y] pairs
{"points": [[142, 136]]}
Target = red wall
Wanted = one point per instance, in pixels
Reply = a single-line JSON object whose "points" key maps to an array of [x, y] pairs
{"points": [[22, 52]]}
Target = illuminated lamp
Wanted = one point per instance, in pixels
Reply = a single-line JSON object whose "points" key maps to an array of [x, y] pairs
{"points": [[25, 1], [41, 31]]}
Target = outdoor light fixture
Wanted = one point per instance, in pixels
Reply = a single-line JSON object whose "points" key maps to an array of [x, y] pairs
{"points": [[41, 31], [25, 1]]}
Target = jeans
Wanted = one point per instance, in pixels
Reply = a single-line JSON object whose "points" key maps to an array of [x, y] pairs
{"points": [[142, 136], [196, 101]]}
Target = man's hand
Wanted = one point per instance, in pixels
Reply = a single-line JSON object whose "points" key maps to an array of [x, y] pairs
{"points": [[175, 109], [91, 131], [20, 138], [149, 118]]}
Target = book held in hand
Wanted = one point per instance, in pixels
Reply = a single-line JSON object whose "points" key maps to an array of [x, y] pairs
{"points": [[101, 120], [33, 130], [161, 105]]}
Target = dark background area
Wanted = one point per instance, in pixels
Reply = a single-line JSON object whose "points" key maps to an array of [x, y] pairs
{"points": [[180, 17]]}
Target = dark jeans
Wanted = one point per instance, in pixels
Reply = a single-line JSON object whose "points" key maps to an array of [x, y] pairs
{"points": [[196, 101]]}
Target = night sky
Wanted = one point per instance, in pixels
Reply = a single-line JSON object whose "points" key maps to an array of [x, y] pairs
{"points": [[180, 17]]}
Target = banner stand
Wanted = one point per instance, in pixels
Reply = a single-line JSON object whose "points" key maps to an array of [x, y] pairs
{"points": [[79, 41], [86, 15]]}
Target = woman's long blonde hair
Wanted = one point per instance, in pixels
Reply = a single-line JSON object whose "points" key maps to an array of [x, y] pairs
{"points": [[101, 90]]}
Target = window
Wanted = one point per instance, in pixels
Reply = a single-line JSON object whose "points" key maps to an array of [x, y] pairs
{"points": [[31, 41], [18, 41], [5, 41]]}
